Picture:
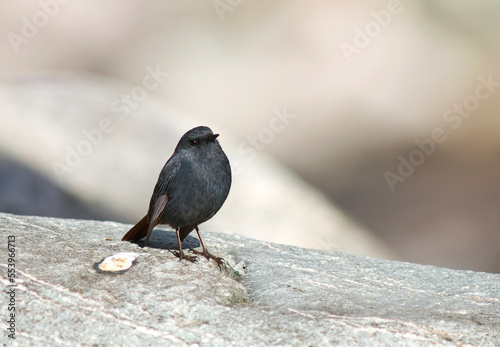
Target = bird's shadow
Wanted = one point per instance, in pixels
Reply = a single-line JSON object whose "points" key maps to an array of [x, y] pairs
{"points": [[167, 239]]}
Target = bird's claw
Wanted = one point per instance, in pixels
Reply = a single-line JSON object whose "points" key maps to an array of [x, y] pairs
{"points": [[191, 258], [209, 256]]}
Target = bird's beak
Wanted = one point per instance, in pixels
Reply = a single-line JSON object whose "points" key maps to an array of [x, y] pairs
{"points": [[213, 137]]}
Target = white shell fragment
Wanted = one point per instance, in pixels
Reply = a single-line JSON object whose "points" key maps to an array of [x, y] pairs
{"points": [[119, 262]]}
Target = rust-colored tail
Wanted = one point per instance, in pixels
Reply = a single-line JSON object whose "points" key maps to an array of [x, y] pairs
{"points": [[138, 231]]}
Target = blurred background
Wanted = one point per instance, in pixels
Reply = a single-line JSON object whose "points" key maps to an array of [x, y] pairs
{"points": [[370, 127]]}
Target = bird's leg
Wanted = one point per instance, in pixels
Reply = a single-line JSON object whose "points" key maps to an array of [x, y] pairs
{"points": [[205, 251], [181, 254]]}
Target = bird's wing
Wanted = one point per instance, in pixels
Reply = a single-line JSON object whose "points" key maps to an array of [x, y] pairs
{"points": [[163, 190], [157, 209]]}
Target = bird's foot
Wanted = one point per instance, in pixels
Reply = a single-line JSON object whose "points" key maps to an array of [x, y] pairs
{"points": [[209, 256], [181, 255]]}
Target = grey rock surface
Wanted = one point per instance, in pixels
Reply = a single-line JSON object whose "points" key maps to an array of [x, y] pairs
{"points": [[265, 294]]}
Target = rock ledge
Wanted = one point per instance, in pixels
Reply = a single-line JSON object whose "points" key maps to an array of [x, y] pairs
{"points": [[266, 294]]}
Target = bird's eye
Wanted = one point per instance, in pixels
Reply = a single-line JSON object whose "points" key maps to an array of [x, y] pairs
{"points": [[193, 143]]}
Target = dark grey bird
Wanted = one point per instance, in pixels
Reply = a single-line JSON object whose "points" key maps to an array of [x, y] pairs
{"points": [[191, 188]]}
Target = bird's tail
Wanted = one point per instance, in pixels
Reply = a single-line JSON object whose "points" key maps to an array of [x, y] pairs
{"points": [[138, 231]]}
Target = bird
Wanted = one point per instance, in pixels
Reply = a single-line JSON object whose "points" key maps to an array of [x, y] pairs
{"points": [[191, 188]]}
